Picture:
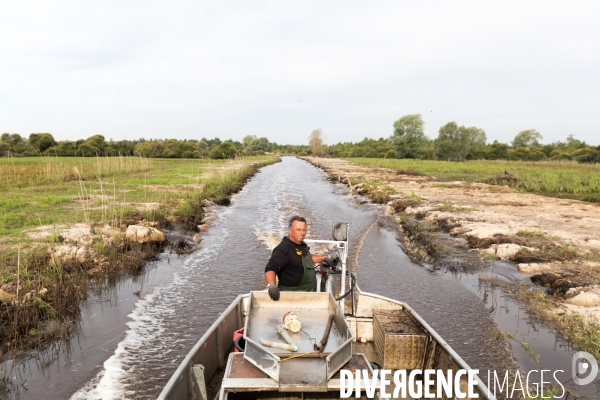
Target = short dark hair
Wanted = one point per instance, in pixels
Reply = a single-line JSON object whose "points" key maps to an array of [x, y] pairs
{"points": [[296, 218]]}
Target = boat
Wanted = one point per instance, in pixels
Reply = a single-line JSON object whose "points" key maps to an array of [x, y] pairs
{"points": [[362, 334]]}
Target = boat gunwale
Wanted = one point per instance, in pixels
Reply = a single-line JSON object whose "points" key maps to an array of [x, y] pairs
{"points": [[451, 352], [188, 358], [185, 363]]}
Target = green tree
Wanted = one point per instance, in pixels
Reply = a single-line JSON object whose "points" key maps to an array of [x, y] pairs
{"points": [[4, 149], [357, 151], [86, 150], [65, 148], [537, 156], [448, 145], [574, 144], [409, 138], [592, 155], [124, 147], [475, 141], [16, 139], [247, 140], [258, 145], [93, 146], [497, 151], [211, 142], [526, 138], [521, 153], [559, 155], [41, 141], [548, 149], [222, 151], [456, 143], [149, 148]]}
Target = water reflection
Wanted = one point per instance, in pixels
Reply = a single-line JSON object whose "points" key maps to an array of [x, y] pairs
{"points": [[129, 346]]}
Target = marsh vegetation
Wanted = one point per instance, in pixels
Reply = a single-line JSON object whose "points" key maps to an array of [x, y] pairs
{"points": [[552, 240], [64, 220], [565, 179]]}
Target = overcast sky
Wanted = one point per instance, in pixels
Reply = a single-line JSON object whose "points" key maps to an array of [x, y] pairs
{"points": [[186, 70]]}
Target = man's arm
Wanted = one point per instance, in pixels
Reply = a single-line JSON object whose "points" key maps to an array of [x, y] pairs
{"points": [[276, 263], [270, 277], [272, 288], [317, 259]]}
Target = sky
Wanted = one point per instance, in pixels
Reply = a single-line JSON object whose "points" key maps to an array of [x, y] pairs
{"points": [[280, 69]]}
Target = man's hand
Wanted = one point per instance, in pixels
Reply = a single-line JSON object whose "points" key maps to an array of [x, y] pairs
{"points": [[336, 259], [328, 263], [273, 292]]}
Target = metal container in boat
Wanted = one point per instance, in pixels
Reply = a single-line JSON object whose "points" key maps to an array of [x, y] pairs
{"points": [[314, 310], [211, 370], [396, 337]]}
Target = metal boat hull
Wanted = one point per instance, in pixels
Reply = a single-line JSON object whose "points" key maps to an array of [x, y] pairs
{"points": [[200, 374]]}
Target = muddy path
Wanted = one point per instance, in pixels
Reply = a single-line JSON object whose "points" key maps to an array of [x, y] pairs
{"points": [[555, 241]]}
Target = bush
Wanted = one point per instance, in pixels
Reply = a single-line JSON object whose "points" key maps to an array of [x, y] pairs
{"points": [[560, 156], [592, 156], [222, 151], [537, 156]]}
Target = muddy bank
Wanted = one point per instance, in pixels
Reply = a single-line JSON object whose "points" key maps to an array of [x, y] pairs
{"points": [[553, 240], [44, 280]]}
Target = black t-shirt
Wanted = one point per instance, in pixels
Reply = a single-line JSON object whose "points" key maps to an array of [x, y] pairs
{"points": [[286, 262]]}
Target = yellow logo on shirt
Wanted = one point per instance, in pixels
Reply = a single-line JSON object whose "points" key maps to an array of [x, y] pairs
{"points": [[299, 252]]}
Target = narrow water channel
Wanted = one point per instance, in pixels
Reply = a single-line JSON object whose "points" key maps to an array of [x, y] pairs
{"points": [[128, 347]]}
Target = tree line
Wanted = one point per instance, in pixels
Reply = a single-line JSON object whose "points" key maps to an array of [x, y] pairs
{"points": [[408, 140], [460, 143], [44, 144]]}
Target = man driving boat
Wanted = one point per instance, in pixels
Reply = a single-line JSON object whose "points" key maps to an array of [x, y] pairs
{"points": [[292, 262]]}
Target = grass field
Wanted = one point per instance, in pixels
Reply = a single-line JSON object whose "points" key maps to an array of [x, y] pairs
{"points": [[38, 191], [39, 295], [553, 178]]}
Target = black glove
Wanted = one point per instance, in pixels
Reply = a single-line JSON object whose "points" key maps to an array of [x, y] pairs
{"points": [[336, 259], [328, 263], [273, 292]]}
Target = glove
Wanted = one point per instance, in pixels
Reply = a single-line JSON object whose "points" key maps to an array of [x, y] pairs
{"points": [[336, 259], [273, 292], [329, 263]]}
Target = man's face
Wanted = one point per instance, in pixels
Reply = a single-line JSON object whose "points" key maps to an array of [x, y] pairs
{"points": [[297, 232]]}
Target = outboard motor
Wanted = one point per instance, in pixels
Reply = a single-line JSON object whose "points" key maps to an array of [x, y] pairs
{"points": [[340, 239], [326, 270]]}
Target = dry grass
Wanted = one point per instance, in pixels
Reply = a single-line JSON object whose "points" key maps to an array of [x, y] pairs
{"points": [[42, 294], [567, 179]]}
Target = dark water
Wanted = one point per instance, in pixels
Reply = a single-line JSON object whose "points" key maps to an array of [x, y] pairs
{"points": [[467, 319], [129, 347]]}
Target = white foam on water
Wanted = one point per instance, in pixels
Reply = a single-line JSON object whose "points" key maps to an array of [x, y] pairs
{"points": [[146, 343], [157, 337], [144, 339], [110, 383], [269, 239]]}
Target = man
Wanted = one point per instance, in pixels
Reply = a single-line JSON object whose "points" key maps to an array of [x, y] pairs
{"points": [[292, 262]]}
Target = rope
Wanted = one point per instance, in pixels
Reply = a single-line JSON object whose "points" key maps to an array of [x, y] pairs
{"points": [[300, 355]]}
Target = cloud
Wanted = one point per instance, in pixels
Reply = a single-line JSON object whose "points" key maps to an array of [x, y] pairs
{"points": [[187, 70]]}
